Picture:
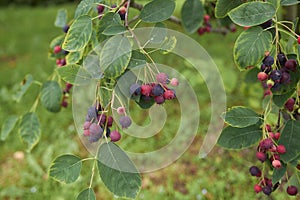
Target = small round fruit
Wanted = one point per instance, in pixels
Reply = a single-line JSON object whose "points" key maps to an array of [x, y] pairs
{"points": [[268, 60], [276, 75], [298, 40], [86, 132], [115, 136], [257, 188], [201, 31], [162, 78], [100, 9], [292, 190], [277, 136], [121, 110], [262, 76], [276, 164], [157, 90], [206, 18], [289, 105], [110, 121], [125, 121], [267, 190], [281, 149], [291, 64], [57, 49], [281, 59], [86, 125], [174, 82], [169, 94], [159, 99], [65, 28], [255, 171], [261, 156], [146, 90], [135, 89]]}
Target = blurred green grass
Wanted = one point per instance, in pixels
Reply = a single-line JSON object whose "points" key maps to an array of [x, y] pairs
{"points": [[24, 37]]}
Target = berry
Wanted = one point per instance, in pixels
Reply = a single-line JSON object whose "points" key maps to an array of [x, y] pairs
{"points": [[265, 68], [292, 190], [174, 82], [157, 90], [298, 40], [289, 105], [64, 104], [261, 156], [276, 164], [122, 13], [281, 59], [291, 64], [86, 132], [268, 60], [135, 89], [102, 119], [268, 128], [266, 144], [65, 28], [121, 110], [272, 135], [207, 28], [206, 18], [276, 75], [277, 136], [257, 188], [100, 9], [159, 99], [92, 113], [262, 76], [162, 78], [125, 121], [275, 157], [95, 132], [255, 171], [201, 31], [146, 90], [169, 94], [57, 49], [107, 132], [110, 121], [267, 190], [86, 125], [285, 78], [281, 149], [115, 136]]}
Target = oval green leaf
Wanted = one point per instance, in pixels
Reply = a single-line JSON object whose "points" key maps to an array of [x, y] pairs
{"points": [[65, 168], [51, 96], [25, 84], [29, 129], [289, 2], [85, 7], [78, 34], [239, 138], [240, 117], [224, 6], [114, 30], [250, 47], [7, 126], [252, 13], [290, 138], [192, 13], [87, 194], [137, 59], [115, 56], [74, 57], [74, 74], [117, 171], [61, 18], [157, 11]]}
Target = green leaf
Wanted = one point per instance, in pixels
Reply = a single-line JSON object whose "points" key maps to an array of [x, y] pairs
{"points": [[7, 126], [278, 174], [78, 34], [252, 13], [250, 47], [51, 96], [87, 194], [158, 33], [74, 74], [295, 161], [192, 13], [25, 84], [289, 2], [61, 18], [251, 75], [239, 138], [290, 138], [224, 6], [105, 92], [280, 99], [240, 117], [115, 56], [275, 3], [109, 19], [114, 30], [74, 57], [137, 59], [85, 7], [65, 168], [29, 129], [157, 11], [169, 44], [117, 171]]}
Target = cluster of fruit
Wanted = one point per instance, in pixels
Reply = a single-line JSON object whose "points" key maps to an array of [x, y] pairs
{"points": [[206, 28], [269, 150], [273, 78], [98, 124], [156, 92], [121, 11]]}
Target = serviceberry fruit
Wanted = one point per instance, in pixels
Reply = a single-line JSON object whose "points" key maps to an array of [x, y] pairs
{"points": [[277, 136], [276, 75], [291, 64], [276, 164], [298, 40], [169, 94], [206, 18], [86, 125], [86, 132], [267, 190], [262, 76], [95, 132], [265, 68], [100, 9], [115, 136], [257, 188], [121, 110], [92, 113], [157, 90], [255, 171], [281, 149], [65, 28], [289, 105], [159, 99], [135, 89], [57, 49], [162, 78], [292, 190], [102, 119], [174, 82], [261, 156], [146, 90], [268, 60], [125, 121], [285, 78], [110, 121], [281, 59], [266, 144]]}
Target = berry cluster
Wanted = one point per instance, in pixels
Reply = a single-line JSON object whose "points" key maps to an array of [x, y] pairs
{"points": [[274, 78], [269, 151], [207, 26], [156, 92], [66, 92], [98, 124]]}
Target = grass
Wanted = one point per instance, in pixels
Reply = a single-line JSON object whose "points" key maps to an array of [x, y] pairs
{"points": [[24, 38]]}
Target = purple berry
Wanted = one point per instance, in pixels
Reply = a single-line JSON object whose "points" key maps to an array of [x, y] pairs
{"points": [[92, 113], [125, 121], [292, 190], [66, 28], [291, 65], [281, 59], [115, 136], [265, 68], [159, 99], [289, 105], [102, 119], [276, 75], [285, 78], [162, 78], [110, 121], [255, 171], [86, 125], [267, 190], [135, 89], [95, 132], [157, 90], [268, 61]]}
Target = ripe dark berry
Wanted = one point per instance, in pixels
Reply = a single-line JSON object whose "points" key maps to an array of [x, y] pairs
{"points": [[257, 188], [289, 105], [281, 59], [266, 144], [265, 68], [277, 136], [255, 171], [285, 78], [281, 149], [95, 132], [65, 28], [157, 90], [276, 164], [201, 31], [267, 190], [64, 104], [102, 119], [110, 121], [92, 113], [275, 157], [276, 75], [174, 82], [125, 121], [100, 9], [146, 90], [159, 99], [261, 156], [57, 49], [122, 13], [135, 89], [298, 40], [162, 78], [291, 64], [268, 128], [292, 190], [268, 61], [115, 136], [262, 76]]}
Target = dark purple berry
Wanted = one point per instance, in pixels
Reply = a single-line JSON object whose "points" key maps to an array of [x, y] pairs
{"points": [[285, 78], [125, 121], [268, 61], [266, 144], [115, 136], [276, 75], [162, 78], [157, 90], [289, 105], [95, 132], [281, 59], [291, 65], [100, 9], [159, 99], [255, 171], [102, 119], [135, 89], [66, 28], [265, 68], [110, 121], [267, 190], [92, 113], [292, 190]]}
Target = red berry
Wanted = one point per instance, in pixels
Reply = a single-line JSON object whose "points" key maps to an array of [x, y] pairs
{"points": [[262, 76], [86, 125], [275, 157], [201, 31], [169, 94], [206, 18], [121, 110], [289, 105], [268, 128], [122, 10], [266, 144], [57, 49], [86, 132], [146, 90], [281, 149], [261, 156], [162, 78], [277, 136], [100, 8], [110, 121], [292, 190], [272, 135], [298, 40], [174, 82], [159, 99], [257, 188], [115, 136], [276, 164], [64, 104]]}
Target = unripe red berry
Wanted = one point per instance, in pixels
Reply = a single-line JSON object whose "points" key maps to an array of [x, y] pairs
{"points": [[86, 125], [281, 149], [169, 94], [206, 18], [146, 90], [268, 128], [266, 144], [110, 121], [289, 105], [57, 49], [86, 132], [262, 76], [201, 31], [276, 164], [121, 110], [277, 136], [257, 188], [162, 78], [100, 8], [298, 40], [272, 135], [115, 136], [292, 190], [64, 104], [261, 156], [174, 82]]}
